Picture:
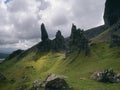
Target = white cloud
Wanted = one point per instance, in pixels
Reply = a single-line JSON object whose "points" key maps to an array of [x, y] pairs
{"points": [[20, 19]]}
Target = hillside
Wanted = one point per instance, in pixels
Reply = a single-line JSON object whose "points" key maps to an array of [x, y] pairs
{"points": [[78, 72]]}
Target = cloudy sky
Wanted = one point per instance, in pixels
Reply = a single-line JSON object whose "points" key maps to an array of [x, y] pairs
{"points": [[20, 19]]}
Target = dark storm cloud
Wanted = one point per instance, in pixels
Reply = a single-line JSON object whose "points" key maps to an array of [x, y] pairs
{"points": [[20, 19]]}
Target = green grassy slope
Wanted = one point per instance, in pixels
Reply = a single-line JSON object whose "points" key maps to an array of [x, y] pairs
{"points": [[106, 34], [77, 67]]}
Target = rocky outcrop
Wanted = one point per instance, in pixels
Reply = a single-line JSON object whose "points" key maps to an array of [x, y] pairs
{"points": [[107, 75], [115, 40], [115, 35], [55, 82], [36, 84], [52, 82], [112, 20], [59, 42], [44, 34], [78, 39], [112, 12], [45, 46]]}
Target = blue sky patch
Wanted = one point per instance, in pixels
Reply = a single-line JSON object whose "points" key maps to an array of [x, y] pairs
{"points": [[6, 1]]}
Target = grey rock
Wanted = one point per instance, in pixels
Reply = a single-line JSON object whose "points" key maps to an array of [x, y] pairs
{"points": [[45, 46], [58, 44], [115, 40], [112, 12], [79, 40], [36, 83], [55, 82], [107, 75]]}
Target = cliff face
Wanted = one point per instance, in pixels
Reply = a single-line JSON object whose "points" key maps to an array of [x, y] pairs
{"points": [[112, 21], [112, 12]]}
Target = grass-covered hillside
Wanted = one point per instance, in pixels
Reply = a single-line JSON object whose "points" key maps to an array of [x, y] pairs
{"points": [[77, 67]]}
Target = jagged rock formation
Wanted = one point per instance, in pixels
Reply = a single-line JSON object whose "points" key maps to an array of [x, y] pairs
{"points": [[59, 42], [112, 12], [78, 39]]}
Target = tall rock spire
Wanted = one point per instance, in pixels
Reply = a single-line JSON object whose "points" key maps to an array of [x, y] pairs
{"points": [[44, 34], [73, 31]]}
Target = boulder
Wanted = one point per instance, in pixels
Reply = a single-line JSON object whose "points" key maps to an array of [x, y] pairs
{"points": [[55, 82], [36, 84], [107, 75]]}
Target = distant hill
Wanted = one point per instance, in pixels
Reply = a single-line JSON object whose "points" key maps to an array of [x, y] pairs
{"points": [[3, 55], [106, 35], [91, 33], [14, 54]]}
